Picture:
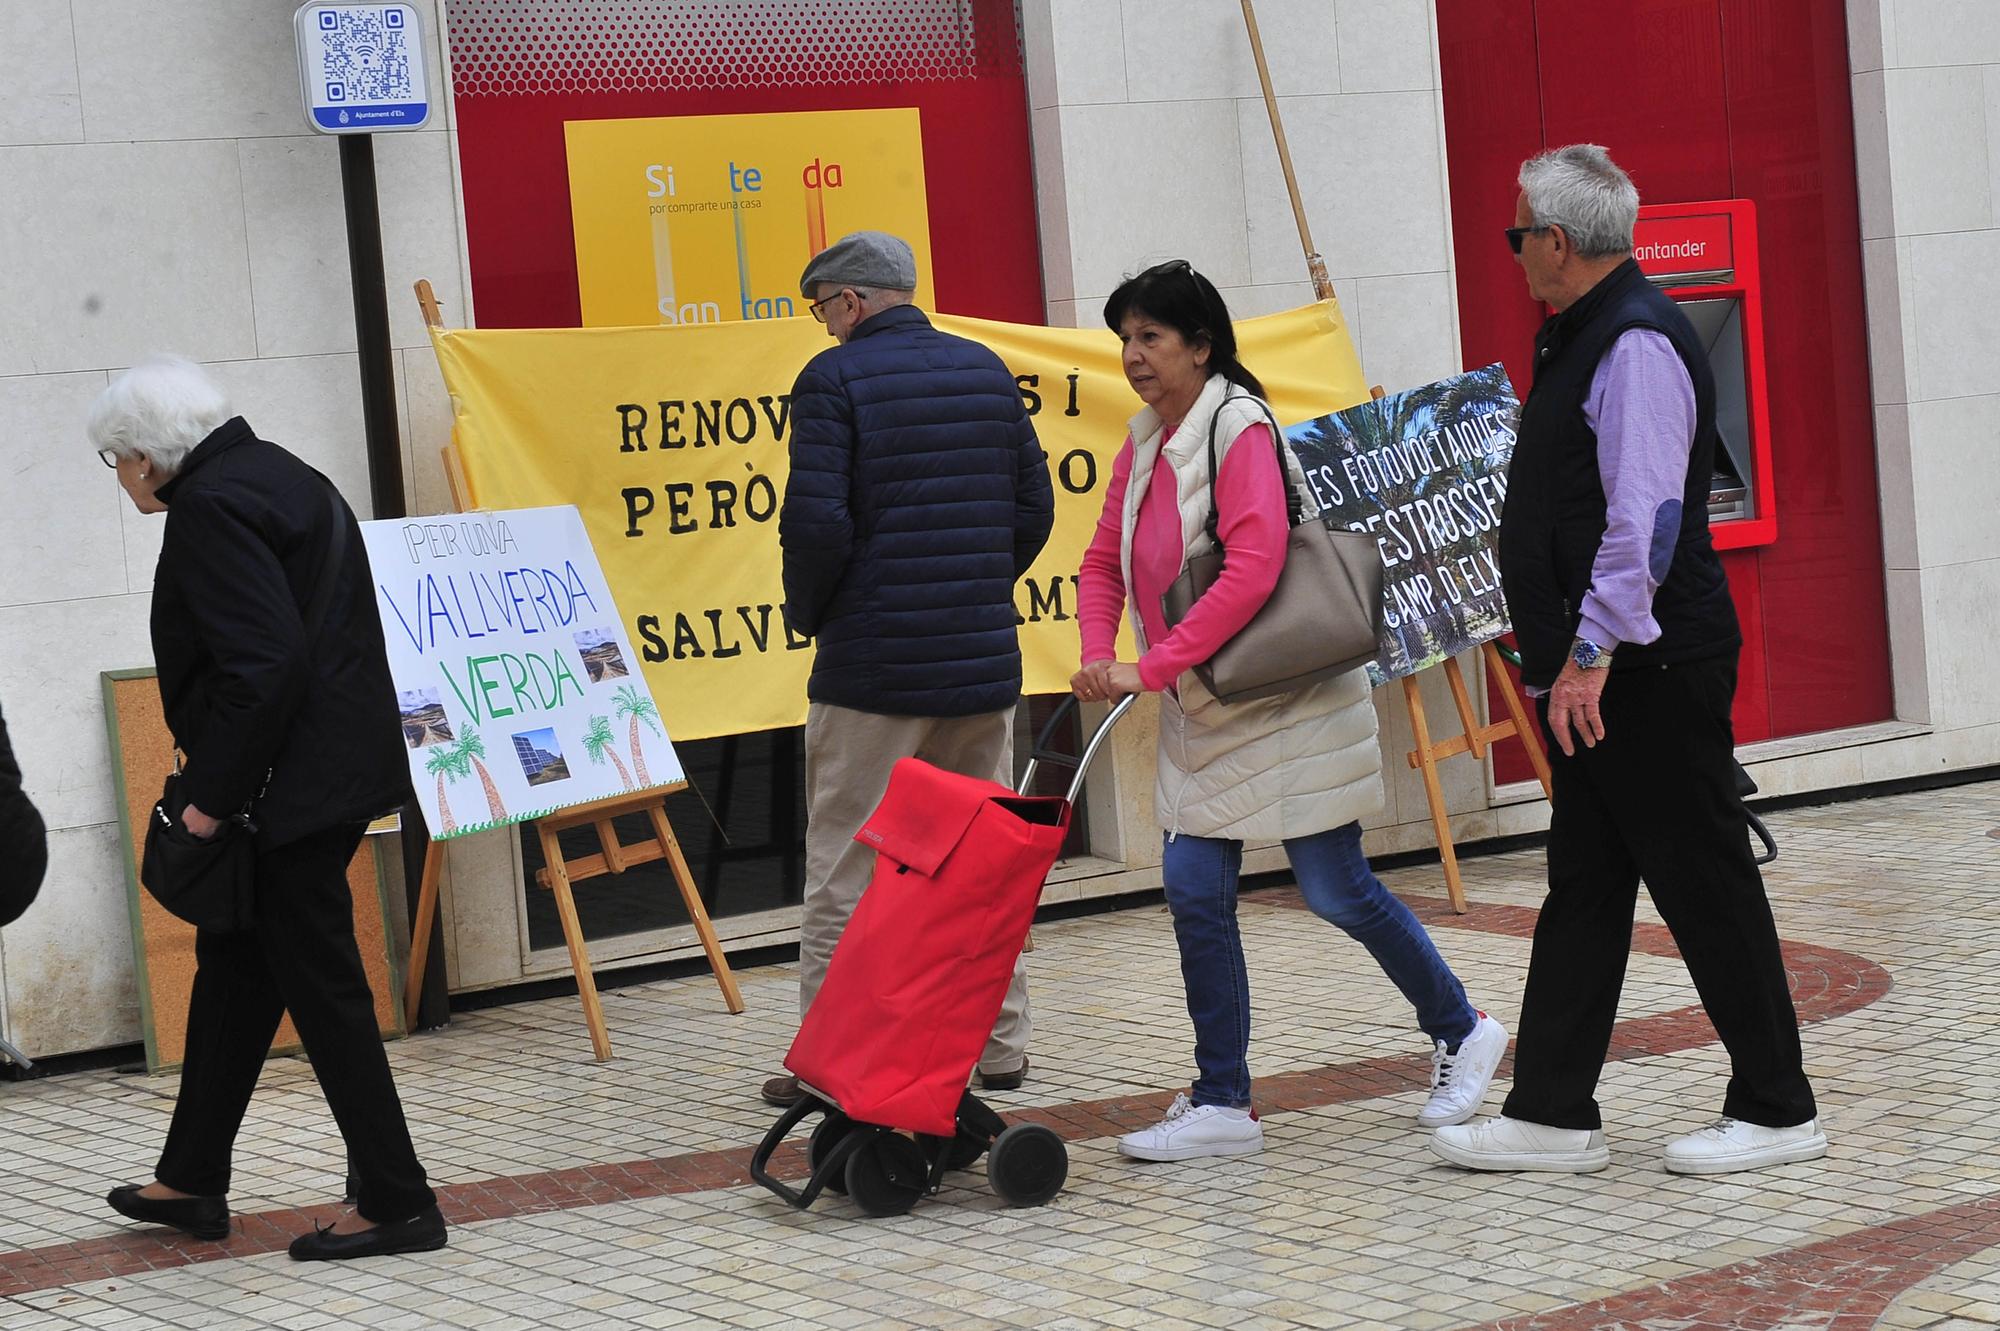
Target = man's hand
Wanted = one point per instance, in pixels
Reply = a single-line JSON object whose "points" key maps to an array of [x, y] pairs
{"points": [[199, 823], [1105, 680], [1573, 702]]}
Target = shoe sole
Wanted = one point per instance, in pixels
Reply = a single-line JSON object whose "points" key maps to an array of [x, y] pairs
{"points": [[1792, 1153], [1525, 1162], [1171, 1153]]}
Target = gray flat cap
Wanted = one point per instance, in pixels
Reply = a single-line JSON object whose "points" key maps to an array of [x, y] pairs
{"points": [[864, 259]]}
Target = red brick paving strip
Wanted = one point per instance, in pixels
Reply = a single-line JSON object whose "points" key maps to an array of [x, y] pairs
{"points": [[1826, 983], [1838, 1284]]}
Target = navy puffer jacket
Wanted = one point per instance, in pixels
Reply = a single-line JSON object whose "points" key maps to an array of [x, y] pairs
{"points": [[918, 495]]}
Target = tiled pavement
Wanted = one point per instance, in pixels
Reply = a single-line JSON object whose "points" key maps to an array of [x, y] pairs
{"points": [[613, 1195]]}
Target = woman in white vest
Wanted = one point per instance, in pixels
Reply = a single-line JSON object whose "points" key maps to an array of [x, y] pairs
{"points": [[1302, 768]]}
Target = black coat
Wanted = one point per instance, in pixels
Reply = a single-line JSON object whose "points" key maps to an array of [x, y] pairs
{"points": [[918, 495], [249, 532], [24, 845]]}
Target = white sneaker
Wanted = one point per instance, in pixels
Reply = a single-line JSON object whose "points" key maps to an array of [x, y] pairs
{"points": [[1459, 1078], [1508, 1144], [1190, 1130], [1730, 1144]]}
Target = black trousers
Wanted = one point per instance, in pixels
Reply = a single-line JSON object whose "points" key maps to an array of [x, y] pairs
{"points": [[300, 958], [1655, 799]]}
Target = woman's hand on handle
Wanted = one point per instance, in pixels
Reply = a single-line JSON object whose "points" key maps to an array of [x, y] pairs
{"points": [[1102, 681]]}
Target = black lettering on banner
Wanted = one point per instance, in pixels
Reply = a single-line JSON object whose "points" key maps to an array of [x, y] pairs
{"points": [[1045, 604], [1077, 460], [708, 423], [670, 424], [778, 418], [1031, 401], [680, 501], [759, 628], [633, 435], [1071, 410], [722, 503], [722, 651], [638, 503], [686, 644], [655, 649], [760, 492], [749, 430]]}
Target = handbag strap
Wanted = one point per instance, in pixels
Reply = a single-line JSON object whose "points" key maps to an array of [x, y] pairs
{"points": [[1294, 504]]}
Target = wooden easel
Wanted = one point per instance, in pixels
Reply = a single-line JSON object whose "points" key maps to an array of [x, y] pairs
{"points": [[559, 874], [1426, 756]]}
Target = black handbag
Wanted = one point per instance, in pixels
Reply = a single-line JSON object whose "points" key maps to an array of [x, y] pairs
{"points": [[211, 882], [1324, 618]]}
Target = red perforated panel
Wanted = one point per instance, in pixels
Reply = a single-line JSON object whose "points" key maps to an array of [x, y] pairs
{"points": [[521, 68], [516, 46]]}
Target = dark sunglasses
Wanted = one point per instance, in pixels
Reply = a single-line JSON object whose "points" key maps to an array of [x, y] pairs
{"points": [[1517, 234]]}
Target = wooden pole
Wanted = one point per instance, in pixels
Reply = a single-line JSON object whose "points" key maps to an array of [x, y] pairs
{"points": [[1315, 266], [420, 930]]}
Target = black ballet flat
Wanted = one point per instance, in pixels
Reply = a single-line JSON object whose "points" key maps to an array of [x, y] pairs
{"points": [[423, 1232], [201, 1217]]}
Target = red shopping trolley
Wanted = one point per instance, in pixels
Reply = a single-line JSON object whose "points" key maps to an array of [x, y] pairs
{"points": [[915, 985]]}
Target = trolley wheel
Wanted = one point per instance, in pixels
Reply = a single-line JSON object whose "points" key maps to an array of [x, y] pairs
{"points": [[1028, 1164], [826, 1135], [887, 1174]]}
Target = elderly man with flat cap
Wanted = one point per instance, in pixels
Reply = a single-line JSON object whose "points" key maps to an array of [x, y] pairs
{"points": [[918, 495]]}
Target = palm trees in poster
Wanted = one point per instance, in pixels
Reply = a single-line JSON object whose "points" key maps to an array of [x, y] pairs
{"points": [[446, 764], [599, 744], [629, 702], [471, 749]]}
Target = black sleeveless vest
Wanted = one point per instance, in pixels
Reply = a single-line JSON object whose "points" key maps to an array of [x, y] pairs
{"points": [[1555, 513]]}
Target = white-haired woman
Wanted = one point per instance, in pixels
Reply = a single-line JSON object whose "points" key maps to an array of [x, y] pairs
{"points": [[298, 725]]}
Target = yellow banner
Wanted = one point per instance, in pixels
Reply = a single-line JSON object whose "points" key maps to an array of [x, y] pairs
{"points": [[671, 441], [705, 219]]}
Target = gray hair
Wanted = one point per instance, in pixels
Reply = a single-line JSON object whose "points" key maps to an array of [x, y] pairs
{"points": [[160, 409], [1581, 190]]}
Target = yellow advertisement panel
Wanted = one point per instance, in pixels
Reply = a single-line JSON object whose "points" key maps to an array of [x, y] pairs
{"points": [[671, 441], [711, 219]]}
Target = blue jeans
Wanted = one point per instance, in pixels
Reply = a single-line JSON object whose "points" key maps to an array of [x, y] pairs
{"points": [[1336, 882]]}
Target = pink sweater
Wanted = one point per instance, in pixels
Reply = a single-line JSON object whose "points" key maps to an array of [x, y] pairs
{"points": [[1250, 501]]}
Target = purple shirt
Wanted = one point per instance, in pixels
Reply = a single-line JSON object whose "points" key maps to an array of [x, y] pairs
{"points": [[1641, 407]]}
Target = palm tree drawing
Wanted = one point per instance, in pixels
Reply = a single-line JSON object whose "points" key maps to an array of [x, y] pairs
{"points": [[471, 749], [598, 745], [447, 765], [628, 701]]}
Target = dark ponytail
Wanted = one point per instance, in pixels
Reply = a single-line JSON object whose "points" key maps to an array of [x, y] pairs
{"points": [[1174, 294]]}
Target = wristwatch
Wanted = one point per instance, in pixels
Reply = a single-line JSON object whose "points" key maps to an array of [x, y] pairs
{"points": [[1588, 655]]}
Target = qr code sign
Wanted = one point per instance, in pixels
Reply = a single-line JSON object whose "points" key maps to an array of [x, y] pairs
{"points": [[366, 55]]}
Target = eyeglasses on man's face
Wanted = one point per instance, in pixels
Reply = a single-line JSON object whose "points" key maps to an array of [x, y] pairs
{"points": [[818, 307], [1517, 234]]}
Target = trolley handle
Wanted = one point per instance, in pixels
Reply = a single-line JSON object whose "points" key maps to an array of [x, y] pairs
{"points": [[1042, 753]]}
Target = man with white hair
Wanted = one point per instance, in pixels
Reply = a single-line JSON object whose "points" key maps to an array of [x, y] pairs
{"points": [[1630, 640]]}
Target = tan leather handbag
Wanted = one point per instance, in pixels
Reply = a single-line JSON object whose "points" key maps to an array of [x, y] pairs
{"points": [[1323, 618]]}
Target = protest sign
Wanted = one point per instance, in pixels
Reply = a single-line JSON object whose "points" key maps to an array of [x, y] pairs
{"points": [[672, 442], [1426, 472], [512, 666]]}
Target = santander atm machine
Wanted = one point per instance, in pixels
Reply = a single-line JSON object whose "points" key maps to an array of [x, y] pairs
{"points": [[1704, 256]]}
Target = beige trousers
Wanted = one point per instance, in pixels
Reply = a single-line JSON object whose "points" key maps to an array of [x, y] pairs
{"points": [[848, 758]]}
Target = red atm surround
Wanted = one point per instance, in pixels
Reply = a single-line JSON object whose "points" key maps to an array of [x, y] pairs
{"points": [[1704, 256]]}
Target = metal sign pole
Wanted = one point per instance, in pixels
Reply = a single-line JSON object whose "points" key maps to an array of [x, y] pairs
{"points": [[371, 325]]}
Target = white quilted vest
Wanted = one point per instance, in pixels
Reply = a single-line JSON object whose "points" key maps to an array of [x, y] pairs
{"points": [[1270, 768]]}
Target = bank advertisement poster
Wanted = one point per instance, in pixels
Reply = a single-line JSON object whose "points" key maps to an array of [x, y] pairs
{"points": [[1425, 472], [710, 219], [518, 687]]}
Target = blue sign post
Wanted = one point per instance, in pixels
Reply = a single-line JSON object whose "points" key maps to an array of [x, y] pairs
{"points": [[361, 67]]}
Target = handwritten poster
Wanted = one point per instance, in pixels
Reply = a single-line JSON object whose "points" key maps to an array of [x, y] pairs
{"points": [[519, 691]]}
